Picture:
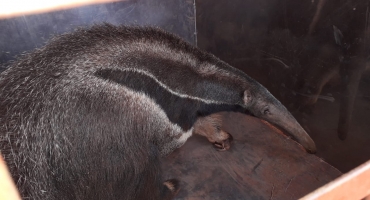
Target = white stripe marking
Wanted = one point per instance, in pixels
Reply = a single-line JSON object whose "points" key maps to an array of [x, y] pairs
{"points": [[146, 73]]}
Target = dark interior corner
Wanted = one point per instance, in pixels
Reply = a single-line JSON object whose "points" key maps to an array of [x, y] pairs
{"points": [[307, 54]]}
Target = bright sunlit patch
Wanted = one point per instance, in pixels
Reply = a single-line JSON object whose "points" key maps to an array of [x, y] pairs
{"points": [[11, 8]]}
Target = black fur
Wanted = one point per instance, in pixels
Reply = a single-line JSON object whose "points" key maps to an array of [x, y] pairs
{"points": [[184, 115], [89, 115], [64, 136]]}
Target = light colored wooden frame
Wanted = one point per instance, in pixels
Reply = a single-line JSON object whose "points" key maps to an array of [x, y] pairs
{"points": [[8, 191], [352, 185]]}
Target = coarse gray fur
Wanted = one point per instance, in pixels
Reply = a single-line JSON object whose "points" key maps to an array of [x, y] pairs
{"points": [[89, 115]]}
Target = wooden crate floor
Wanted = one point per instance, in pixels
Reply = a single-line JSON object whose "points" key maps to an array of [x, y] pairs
{"points": [[261, 164]]}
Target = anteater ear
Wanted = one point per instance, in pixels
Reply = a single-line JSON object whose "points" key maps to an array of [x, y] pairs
{"points": [[247, 98]]}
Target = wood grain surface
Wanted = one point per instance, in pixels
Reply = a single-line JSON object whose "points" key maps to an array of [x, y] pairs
{"points": [[261, 164]]}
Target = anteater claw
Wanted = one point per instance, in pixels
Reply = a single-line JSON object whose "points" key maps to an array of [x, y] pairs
{"points": [[224, 144]]}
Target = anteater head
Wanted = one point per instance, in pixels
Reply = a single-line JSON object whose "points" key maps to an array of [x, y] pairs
{"points": [[262, 104]]}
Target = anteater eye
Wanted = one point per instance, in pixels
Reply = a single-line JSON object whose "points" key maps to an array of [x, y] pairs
{"points": [[266, 111]]}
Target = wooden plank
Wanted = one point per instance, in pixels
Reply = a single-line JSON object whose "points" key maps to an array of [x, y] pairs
{"points": [[8, 190], [262, 164], [352, 185]]}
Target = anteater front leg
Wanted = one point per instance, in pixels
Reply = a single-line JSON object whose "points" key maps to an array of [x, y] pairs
{"points": [[210, 127]]}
